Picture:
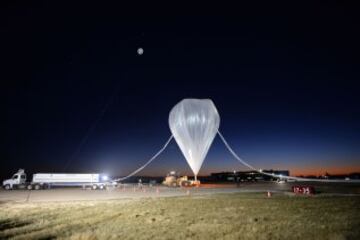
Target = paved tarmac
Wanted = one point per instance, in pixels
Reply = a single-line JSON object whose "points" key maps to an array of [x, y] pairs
{"points": [[132, 191]]}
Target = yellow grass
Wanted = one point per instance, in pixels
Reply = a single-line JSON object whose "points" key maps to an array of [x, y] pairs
{"points": [[231, 216]]}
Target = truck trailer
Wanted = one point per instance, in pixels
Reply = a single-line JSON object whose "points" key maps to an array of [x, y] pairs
{"points": [[47, 180]]}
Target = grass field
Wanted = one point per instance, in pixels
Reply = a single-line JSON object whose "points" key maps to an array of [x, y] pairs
{"points": [[230, 216]]}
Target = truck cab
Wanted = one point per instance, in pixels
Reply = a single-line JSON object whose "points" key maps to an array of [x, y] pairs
{"points": [[17, 180]]}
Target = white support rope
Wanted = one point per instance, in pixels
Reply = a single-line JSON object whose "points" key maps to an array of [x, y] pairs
{"points": [[148, 162], [276, 175]]}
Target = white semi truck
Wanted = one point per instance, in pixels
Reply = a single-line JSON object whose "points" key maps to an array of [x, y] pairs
{"points": [[47, 180]]}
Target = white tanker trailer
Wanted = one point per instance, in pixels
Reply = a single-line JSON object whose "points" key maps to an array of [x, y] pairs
{"points": [[47, 180]]}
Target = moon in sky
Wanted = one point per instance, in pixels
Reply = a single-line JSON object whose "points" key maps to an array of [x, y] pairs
{"points": [[140, 51]]}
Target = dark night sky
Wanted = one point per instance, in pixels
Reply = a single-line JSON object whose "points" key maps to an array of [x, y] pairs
{"points": [[78, 98]]}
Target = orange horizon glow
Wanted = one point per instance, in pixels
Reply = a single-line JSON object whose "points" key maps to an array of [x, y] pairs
{"points": [[293, 172], [321, 171], [313, 170], [305, 171]]}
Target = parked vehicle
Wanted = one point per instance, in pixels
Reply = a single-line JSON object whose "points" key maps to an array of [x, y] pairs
{"points": [[172, 180], [47, 180]]}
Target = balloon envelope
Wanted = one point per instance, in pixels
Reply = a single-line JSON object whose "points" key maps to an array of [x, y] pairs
{"points": [[194, 124]]}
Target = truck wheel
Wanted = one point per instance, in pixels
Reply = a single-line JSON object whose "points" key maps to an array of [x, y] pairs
{"points": [[29, 187], [37, 187], [7, 187], [94, 187], [101, 187]]}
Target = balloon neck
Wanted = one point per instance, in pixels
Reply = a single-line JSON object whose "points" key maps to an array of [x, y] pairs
{"points": [[195, 178]]}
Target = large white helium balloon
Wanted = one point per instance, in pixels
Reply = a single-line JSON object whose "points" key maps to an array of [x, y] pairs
{"points": [[194, 124]]}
